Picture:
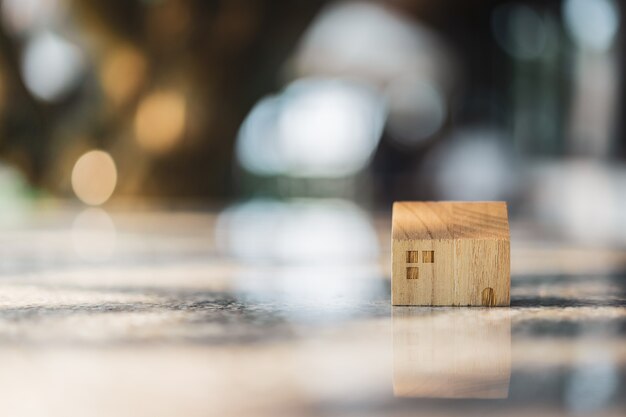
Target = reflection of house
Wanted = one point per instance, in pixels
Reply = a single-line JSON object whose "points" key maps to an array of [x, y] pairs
{"points": [[451, 353], [450, 254]]}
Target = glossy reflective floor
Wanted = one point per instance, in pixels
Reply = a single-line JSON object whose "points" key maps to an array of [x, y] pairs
{"points": [[269, 309]]}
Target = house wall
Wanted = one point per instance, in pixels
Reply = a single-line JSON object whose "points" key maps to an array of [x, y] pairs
{"points": [[462, 272], [433, 283], [480, 265]]}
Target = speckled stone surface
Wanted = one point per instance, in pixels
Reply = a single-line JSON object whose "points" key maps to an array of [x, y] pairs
{"points": [[150, 313]]}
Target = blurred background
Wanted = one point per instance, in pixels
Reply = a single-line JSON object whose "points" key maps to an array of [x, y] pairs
{"points": [[360, 102], [195, 198]]}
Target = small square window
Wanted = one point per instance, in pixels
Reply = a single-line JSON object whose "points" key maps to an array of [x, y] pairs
{"points": [[412, 272], [412, 257], [428, 256]]}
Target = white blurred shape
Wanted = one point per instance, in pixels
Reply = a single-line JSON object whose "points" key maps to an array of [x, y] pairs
{"points": [[583, 199], [13, 202], [369, 40], [305, 252], [593, 382], [417, 110], [474, 164], [23, 16], [51, 66], [94, 177], [316, 128], [301, 232], [582, 206], [94, 235], [329, 128], [334, 231], [257, 145], [594, 108], [520, 30], [247, 231], [592, 23], [333, 290]]}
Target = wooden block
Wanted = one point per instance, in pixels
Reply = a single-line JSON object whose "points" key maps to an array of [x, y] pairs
{"points": [[450, 254]]}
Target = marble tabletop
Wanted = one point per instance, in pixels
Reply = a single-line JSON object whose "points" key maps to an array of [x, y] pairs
{"points": [[275, 309]]}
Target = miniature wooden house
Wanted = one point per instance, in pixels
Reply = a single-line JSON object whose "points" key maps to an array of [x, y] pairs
{"points": [[450, 254]]}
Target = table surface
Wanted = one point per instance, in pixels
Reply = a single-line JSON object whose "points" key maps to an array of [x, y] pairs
{"points": [[272, 311]]}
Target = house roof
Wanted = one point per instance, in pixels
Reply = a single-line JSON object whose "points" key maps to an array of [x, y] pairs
{"points": [[425, 220]]}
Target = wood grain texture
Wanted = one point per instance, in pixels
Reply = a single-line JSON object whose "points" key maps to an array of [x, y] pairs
{"points": [[412, 257], [463, 247]]}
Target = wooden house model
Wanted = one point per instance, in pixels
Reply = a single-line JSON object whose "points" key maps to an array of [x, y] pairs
{"points": [[450, 254]]}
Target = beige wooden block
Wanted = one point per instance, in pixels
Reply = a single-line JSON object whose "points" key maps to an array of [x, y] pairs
{"points": [[450, 254]]}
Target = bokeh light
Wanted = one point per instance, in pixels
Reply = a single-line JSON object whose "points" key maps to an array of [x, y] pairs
{"points": [[417, 110], [297, 232], [329, 128], [592, 24], [472, 164], [160, 121], [595, 381], [571, 196], [21, 17], [369, 41], [14, 201], [257, 146], [94, 177], [520, 30], [317, 128], [122, 72], [51, 66], [325, 249], [94, 235]]}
